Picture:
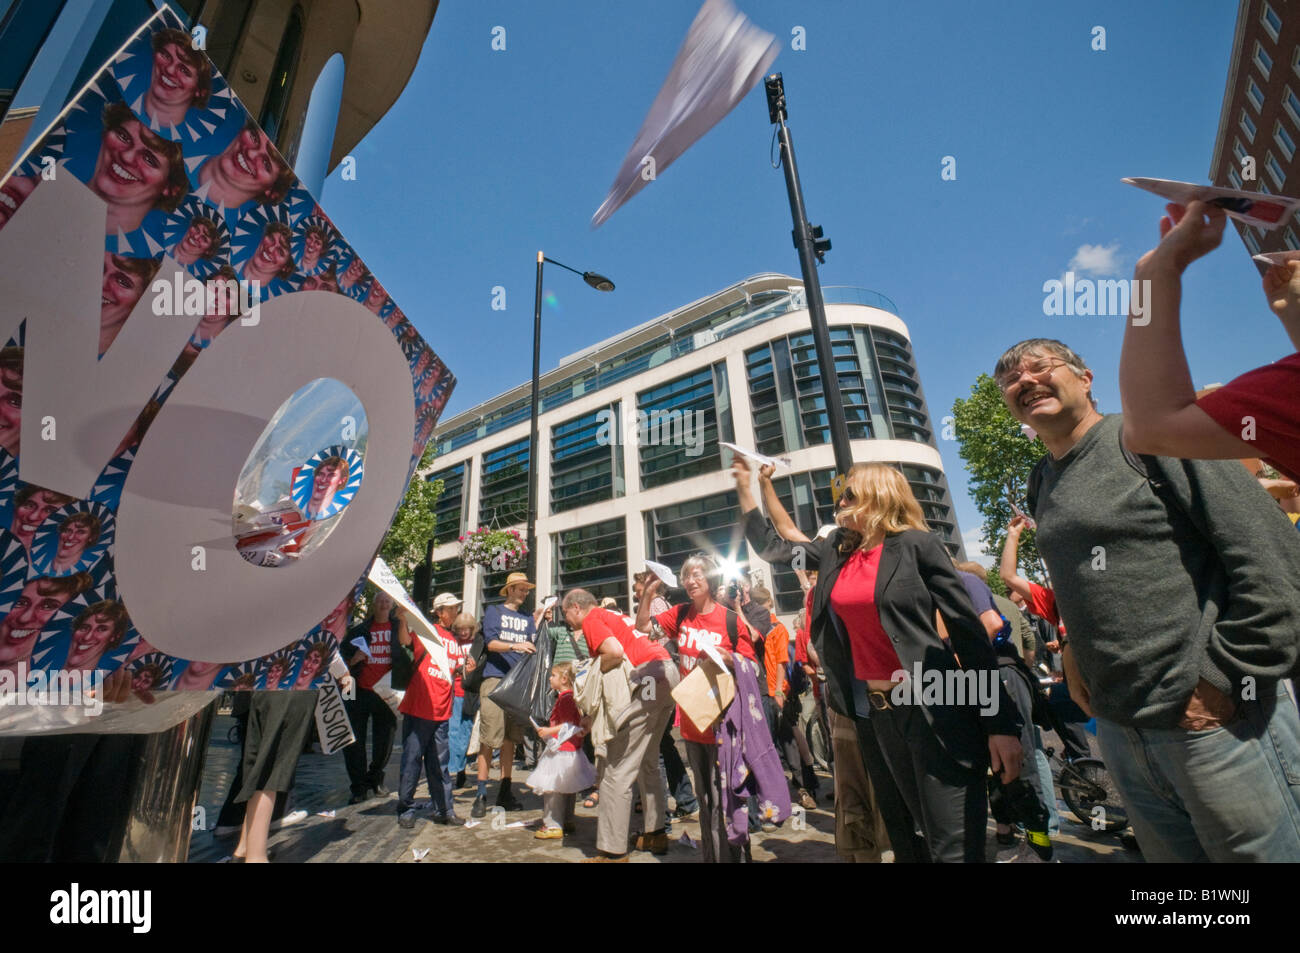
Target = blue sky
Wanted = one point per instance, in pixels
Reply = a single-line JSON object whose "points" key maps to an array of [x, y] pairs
{"points": [[489, 156]]}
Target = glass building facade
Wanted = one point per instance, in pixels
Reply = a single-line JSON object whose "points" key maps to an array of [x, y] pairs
{"points": [[638, 472]]}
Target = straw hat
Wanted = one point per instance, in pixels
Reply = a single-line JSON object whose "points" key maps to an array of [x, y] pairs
{"points": [[514, 579]]}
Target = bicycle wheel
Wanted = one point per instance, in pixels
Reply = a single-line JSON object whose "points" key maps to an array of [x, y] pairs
{"points": [[1086, 785]]}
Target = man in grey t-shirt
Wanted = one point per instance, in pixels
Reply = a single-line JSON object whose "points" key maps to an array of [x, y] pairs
{"points": [[1180, 590]]}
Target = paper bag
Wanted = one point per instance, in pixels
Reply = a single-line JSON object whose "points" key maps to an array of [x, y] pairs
{"points": [[705, 694]]}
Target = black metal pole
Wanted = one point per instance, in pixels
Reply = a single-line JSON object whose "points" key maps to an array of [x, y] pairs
{"points": [[805, 242], [532, 434]]}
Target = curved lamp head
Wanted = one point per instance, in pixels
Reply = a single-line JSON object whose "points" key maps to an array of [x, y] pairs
{"points": [[599, 282]]}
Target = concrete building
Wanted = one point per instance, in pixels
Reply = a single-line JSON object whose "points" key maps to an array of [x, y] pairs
{"points": [[1259, 125], [629, 464]]}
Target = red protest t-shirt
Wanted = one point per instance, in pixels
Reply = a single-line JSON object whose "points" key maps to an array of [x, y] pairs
{"points": [[854, 601], [1042, 601], [377, 666], [457, 652], [566, 712], [1262, 407], [696, 632], [601, 624], [428, 695]]}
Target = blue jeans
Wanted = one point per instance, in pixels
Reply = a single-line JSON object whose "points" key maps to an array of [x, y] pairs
{"points": [[424, 742], [459, 732], [1226, 794]]}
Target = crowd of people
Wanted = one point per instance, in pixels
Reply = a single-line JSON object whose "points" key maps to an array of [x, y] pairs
{"points": [[1172, 621]]}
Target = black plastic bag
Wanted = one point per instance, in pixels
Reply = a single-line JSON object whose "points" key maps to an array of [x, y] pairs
{"points": [[526, 691]]}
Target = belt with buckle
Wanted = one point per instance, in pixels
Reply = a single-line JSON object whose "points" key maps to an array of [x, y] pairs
{"points": [[879, 701]]}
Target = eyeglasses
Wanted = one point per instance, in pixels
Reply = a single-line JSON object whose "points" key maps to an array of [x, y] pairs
{"points": [[693, 574], [1037, 367]]}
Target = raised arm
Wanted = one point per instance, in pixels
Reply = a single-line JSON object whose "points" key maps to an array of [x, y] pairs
{"points": [[775, 511], [1160, 411], [1009, 568]]}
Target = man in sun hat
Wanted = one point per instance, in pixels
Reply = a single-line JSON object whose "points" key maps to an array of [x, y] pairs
{"points": [[507, 635]]}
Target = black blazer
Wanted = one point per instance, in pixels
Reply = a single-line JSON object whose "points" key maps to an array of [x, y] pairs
{"points": [[915, 578]]}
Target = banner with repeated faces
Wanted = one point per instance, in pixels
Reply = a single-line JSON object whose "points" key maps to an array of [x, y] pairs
{"points": [[184, 172]]}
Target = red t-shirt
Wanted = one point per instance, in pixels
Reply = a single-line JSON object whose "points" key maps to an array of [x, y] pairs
{"points": [[457, 652], [854, 601], [1270, 396], [1042, 601], [602, 624], [428, 695], [566, 712], [377, 666], [696, 632]]}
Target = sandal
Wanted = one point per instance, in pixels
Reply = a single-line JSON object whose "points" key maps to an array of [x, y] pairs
{"points": [[592, 800]]}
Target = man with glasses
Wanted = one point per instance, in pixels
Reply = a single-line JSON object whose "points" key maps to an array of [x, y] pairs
{"points": [[1179, 581]]}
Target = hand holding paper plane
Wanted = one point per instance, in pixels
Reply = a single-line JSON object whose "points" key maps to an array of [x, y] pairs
{"points": [[1254, 208], [663, 572], [760, 459]]}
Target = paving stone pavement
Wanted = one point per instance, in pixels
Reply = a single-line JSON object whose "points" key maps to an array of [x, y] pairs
{"points": [[369, 833]]}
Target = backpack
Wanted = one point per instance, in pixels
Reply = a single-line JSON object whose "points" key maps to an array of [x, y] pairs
{"points": [[1041, 711]]}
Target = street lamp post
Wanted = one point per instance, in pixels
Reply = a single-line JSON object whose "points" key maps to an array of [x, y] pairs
{"points": [[600, 283], [811, 245]]}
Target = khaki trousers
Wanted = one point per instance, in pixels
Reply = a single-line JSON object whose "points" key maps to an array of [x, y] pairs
{"points": [[632, 756]]}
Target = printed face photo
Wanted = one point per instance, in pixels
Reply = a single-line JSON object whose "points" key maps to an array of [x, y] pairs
{"points": [[145, 678], [272, 259], [31, 512], [181, 78], [93, 634], [24, 622], [312, 664], [331, 474], [248, 168], [200, 241], [376, 297], [322, 282], [336, 621], [14, 193], [313, 246], [136, 171], [77, 533], [276, 671], [11, 399], [125, 281], [354, 273]]}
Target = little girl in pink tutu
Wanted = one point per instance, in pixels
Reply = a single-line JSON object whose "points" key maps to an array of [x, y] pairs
{"points": [[563, 769]]}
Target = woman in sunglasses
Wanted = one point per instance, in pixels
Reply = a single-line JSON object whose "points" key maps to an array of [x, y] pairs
{"points": [[888, 611]]}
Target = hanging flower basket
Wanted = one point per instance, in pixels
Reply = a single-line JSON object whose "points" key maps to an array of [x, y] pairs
{"points": [[499, 550]]}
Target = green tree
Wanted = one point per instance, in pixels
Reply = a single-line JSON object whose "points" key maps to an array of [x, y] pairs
{"points": [[404, 546], [998, 459]]}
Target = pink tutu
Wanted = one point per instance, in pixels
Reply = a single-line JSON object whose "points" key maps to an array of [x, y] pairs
{"points": [[562, 772]]}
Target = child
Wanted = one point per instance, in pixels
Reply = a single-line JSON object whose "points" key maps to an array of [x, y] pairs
{"points": [[562, 770]]}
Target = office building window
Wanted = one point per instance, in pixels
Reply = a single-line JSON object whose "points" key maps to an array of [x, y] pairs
{"points": [[1271, 22], [908, 419], [503, 487], [1262, 60], [1283, 139], [1289, 237], [1233, 177], [1291, 103], [807, 498], [679, 424], [710, 524], [1251, 242], [1254, 94], [1247, 125], [448, 576], [1275, 169], [1239, 150], [450, 508], [593, 558], [281, 82], [586, 459]]}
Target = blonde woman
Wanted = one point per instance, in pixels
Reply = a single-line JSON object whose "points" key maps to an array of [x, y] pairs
{"points": [[883, 577]]}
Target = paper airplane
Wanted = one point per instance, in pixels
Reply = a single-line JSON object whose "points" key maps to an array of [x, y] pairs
{"points": [[1254, 208], [663, 572], [1277, 257], [754, 455]]}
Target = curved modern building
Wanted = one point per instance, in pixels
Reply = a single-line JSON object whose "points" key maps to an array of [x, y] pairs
{"points": [[629, 465]]}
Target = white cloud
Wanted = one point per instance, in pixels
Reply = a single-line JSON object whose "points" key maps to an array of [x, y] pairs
{"points": [[974, 542], [1096, 260]]}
